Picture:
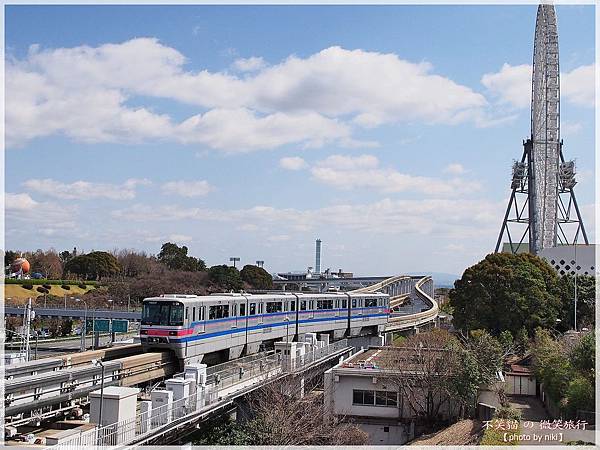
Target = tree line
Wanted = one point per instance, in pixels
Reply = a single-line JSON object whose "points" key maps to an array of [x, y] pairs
{"points": [[129, 275]]}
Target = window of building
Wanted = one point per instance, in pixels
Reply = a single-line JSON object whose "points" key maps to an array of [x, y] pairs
{"points": [[374, 398]]}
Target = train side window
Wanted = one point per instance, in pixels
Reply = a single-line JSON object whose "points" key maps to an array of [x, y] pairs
{"points": [[274, 307], [354, 303], [218, 312], [344, 303], [370, 302], [303, 305], [293, 305], [252, 309], [194, 314], [242, 309], [186, 313], [234, 311], [202, 312]]}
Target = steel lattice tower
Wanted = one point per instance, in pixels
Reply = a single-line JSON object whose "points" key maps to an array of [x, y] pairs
{"points": [[542, 181]]}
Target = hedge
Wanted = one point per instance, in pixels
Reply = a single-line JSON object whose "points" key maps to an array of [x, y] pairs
{"points": [[54, 282], [43, 290], [66, 287], [28, 286]]}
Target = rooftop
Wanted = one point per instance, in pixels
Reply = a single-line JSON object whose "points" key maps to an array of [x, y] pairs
{"points": [[391, 359]]}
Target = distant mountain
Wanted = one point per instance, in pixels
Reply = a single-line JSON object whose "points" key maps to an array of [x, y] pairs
{"points": [[440, 279]]}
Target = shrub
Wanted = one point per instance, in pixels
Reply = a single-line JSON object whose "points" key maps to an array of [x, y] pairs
{"points": [[27, 286], [508, 412], [43, 290], [66, 287], [47, 286], [82, 286], [50, 282]]}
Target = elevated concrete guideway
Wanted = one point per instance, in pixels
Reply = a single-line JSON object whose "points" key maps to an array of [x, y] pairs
{"points": [[76, 313]]}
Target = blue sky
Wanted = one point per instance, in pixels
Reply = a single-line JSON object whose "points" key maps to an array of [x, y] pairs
{"points": [[250, 131]]}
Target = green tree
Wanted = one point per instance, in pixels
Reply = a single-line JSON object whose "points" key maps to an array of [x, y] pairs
{"points": [[580, 395], [225, 277], [93, 266], [487, 353], [583, 355], [506, 292], [586, 302], [65, 255], [176, 258], [9, 257], [256, 276], [551, 364]]}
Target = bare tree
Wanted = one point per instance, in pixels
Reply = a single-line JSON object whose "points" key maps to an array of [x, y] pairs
{"points": [[433, 375], [281, 419]]}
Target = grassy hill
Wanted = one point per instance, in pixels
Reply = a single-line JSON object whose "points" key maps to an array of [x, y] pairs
{"points": [[18, 292]]}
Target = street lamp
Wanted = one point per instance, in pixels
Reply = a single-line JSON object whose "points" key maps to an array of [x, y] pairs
{"points": [[98, 362], [234, 259], [84, 326]]}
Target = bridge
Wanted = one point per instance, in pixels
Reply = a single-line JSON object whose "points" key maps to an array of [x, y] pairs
{"points": [[30, 388], [224, 384]]}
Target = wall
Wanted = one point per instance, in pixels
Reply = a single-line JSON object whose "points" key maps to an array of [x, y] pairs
{"points": [[565, 261]]}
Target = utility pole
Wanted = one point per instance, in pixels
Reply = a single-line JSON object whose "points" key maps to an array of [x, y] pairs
{"points": [[29, 316], [234, 259]]}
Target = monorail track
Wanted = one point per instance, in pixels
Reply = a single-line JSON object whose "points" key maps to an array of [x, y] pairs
{"points": [[46, 390]]}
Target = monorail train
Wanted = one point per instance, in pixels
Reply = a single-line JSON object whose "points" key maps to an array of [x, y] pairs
{"points": [[197, 326]]}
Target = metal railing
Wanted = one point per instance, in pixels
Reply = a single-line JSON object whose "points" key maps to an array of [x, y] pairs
{"points": [[217, 390]]}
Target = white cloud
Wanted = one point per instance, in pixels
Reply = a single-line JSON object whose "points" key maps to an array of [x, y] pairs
{"points": [[176, 238], [188, 188], [347, 172], [568, 128], [453, 217], [512, 85], [241, 130], [292, 163], [84, 190], [249, 64], [279, 238], [312, 101], [26, 215], [19, 202], [455, 169], [578, 86]]}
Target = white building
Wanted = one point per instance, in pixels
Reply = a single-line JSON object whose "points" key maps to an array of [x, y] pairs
{"points": [[571, 259], [364, 390]]}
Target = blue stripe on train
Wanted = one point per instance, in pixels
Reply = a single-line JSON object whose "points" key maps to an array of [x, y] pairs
{"points": [[266, 325]]}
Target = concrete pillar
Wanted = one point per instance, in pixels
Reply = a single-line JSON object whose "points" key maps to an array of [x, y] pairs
{"points": [[181, 388], [145, 410], [289, 352], [118, 405], [162, 401], [325, 339]]}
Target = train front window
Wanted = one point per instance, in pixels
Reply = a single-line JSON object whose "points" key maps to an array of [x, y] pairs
{"points": [[162, 313]]}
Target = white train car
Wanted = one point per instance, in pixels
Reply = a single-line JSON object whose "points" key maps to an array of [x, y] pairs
{"points": [[195, 326]]}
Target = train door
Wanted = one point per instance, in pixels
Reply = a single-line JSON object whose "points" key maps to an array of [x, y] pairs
{"points": [[201, 318], [233, 309]]}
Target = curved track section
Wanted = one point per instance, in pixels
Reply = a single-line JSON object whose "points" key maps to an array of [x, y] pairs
{"points": [[400, 289]]}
